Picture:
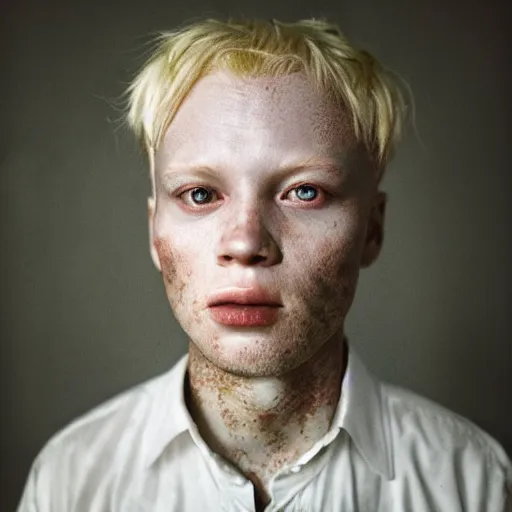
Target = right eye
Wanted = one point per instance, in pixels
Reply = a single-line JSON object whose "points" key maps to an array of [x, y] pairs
{"points": [[197, 196]]}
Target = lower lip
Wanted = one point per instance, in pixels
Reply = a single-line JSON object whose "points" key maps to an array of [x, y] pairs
{"points": [[244, 315]]}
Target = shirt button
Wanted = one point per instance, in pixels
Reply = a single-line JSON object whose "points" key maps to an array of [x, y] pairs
{"points": [[295, 469], [235, 478], [239, 480]]}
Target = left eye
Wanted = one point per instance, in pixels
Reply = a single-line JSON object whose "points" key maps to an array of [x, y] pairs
{"points": [[305, 192]]}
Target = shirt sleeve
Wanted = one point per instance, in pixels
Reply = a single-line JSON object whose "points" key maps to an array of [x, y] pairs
{"points": [[508, 495], [28, 501], [505, 468], [39, 492]]}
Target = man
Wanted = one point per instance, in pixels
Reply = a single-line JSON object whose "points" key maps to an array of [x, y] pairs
{"points": [[266, 144]]}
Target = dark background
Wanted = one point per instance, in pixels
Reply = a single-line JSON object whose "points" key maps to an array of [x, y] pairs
{"points": [[84, 314]]}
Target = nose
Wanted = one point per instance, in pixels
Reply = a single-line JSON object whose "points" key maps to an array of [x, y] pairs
{"points": [[245, 240]]}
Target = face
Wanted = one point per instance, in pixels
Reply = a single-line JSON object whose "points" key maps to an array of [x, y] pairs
{"points": [[260, 184]]}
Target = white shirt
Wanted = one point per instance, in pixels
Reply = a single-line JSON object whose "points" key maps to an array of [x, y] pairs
{"points": [[388, 450]]}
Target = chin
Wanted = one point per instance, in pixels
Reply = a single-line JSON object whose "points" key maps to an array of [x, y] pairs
{"points": [[253, 356]]}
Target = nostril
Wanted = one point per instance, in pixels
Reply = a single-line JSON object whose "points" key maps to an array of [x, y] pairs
{"points": [[251, 260], [257, 258]]}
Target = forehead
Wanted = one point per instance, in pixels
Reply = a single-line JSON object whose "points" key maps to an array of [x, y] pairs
{"points": [[224, 112]]}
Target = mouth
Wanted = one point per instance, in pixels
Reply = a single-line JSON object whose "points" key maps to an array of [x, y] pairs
{"points": [[245, 307], [245, 315], [246, 304], [244, 297]]}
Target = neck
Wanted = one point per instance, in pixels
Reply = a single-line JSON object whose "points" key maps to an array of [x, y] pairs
{"points": [[262, 424]]}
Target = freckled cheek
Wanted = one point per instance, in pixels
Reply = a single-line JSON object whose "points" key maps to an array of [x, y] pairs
{"points": [[170, 246], [330, 272], [339, 244], [183, 258], [176, 269]]}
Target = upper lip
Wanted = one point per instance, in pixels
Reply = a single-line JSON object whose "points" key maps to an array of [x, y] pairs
{"points": [[255, 296]]}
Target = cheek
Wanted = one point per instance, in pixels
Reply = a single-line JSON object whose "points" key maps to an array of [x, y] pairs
{"points": [[330, 276], [175, 270], [167, 259], [172, 251], [334, 277]]}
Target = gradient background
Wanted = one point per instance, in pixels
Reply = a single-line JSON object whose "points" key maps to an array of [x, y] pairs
{"points": [[84, 313]]}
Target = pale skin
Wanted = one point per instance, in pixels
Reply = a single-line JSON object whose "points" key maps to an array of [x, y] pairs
{"points": [[261, 181]]}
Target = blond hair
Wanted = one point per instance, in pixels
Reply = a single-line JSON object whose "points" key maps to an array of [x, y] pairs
{"points": [[374, 97]]}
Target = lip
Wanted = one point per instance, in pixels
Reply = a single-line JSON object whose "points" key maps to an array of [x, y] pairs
{"points": [[245, 315], [254, 296]]}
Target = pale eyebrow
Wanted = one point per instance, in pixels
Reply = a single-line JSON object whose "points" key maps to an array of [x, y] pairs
{"points": [[313, 164], [176, 175]]}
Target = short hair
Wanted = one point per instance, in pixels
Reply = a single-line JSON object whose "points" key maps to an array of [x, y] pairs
{"points": [[374, 97]]}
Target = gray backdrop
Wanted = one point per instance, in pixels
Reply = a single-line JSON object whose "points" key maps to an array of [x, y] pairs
{"points": [[84, 314]]}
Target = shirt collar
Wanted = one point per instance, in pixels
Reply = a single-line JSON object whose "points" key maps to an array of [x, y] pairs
{"points": [[360, 412], [169, 416]]}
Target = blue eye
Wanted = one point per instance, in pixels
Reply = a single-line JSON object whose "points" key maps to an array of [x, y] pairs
{"points": [[306, 192], [200, 195]]}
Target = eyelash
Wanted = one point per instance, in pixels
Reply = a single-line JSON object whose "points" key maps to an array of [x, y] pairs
{"points": [[313, 202]]}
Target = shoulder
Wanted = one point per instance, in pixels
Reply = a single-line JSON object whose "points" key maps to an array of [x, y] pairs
{"points": [[428, 434], [117, 417], [101, 431], [415, 417], [98, 447]]}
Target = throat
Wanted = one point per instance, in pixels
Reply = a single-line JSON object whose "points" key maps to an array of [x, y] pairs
{"points": [[262, 425]]}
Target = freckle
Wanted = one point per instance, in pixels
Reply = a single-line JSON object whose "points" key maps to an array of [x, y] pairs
{"points": [[267, 417]]}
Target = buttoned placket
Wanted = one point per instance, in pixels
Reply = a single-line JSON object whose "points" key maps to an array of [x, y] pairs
{"points": [[289, 483], [236, 491]]}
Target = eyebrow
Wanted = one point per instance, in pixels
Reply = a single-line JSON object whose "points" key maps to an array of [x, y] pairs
{"points": [[310, 164], [171, 173]]}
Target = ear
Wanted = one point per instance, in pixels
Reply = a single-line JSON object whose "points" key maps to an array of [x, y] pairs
{"points": [[152, 248], [374, 230]]}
